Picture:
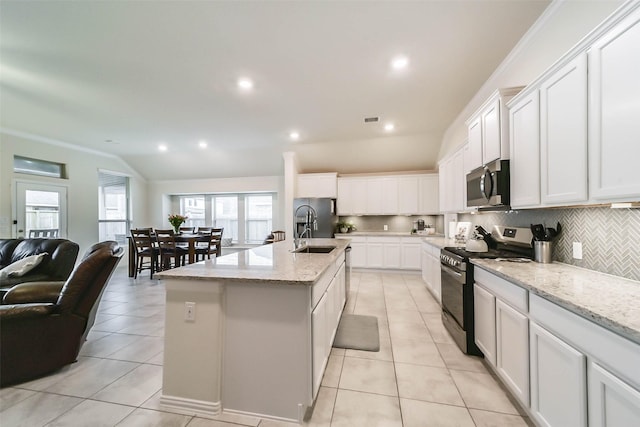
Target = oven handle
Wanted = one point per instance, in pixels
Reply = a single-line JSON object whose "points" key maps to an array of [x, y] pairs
{"points": [[450, 271]]}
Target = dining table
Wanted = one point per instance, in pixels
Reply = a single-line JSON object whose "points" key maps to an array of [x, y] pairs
{"points": [[190, 238]]}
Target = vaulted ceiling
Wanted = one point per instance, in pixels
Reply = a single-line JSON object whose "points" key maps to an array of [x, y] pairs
{"points": [[125, 77]]}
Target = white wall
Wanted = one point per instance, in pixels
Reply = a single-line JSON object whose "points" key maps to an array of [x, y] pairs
{"points": [[159, 203], [559, 28], [82, 169]]}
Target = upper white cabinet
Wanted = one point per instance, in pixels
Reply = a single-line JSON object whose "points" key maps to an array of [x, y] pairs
{"points": [[388, 195], [317, 185], [488, 130], [352, 196], [453, 182], [563, 134], [524, 115], [614, 112]]}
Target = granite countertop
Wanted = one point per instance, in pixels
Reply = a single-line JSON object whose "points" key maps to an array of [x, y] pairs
{"points": [[610, 301], [268, 264], [439, 241]]}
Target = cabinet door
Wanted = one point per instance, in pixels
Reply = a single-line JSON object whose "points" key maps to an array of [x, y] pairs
{"points": [[614, 112], [375, 196], [408, 195], [429, 194], [491, 132], [392, 255], [484, 316], [424, 260], [319, 334], [612, 402], [563, 134], [436, 286], [459, 183], [358, 254], [512, 350], [443, 185], [558, 381], [410, 256], [317, 185], [475, 145], [524, 118], [375, 255], [390, 195], [352, 196]]}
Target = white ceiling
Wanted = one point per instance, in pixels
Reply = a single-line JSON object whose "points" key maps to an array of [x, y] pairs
{"points": [[144, 72]]}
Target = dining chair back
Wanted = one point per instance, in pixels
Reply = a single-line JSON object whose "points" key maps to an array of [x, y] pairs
{"points": [[212, 246], [187, 229], [168, 249], [278, 235], [143, 244]]}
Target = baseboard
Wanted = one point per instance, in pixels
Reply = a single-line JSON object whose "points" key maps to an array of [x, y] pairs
{"points": [[197, 407]]}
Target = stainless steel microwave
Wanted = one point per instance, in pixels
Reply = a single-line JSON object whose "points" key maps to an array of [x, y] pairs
{"points": [[488, 186]]}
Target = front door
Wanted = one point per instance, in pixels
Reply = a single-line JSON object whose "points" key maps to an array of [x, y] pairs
{"points": [[41, 210]]}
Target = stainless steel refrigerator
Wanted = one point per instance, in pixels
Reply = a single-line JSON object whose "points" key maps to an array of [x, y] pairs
{"points": [[325, 211]]}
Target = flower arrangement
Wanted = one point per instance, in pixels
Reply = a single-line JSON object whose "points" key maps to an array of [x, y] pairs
{"points": [[176, 220], [345, 227]]}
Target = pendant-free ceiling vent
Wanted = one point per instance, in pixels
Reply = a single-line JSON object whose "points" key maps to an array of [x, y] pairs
{"points": [[371, 119]]}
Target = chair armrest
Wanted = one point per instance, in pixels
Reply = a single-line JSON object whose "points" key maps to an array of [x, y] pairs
{"points": [[33, 292], [24, 311]]}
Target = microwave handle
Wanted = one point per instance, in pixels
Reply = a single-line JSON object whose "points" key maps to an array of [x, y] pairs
{"points": [[486, 181]]}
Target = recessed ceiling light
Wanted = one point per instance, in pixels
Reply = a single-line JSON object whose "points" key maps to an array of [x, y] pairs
{"points": [[389, 127], [399, 62], [162, 147], [294, 135], [202, 144], [245, 83]]}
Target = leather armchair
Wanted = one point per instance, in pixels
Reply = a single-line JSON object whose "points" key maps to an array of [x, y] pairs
{"points": [[43, 325]]}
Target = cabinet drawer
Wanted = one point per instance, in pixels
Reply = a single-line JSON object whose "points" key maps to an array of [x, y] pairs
{"points": [[383, 239], [516, 296], [318, 288]]}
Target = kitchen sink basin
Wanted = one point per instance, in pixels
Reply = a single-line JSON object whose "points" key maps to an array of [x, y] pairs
{"points": [[314, 249]]}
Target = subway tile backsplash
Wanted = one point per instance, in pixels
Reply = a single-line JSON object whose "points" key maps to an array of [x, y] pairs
{"points": [[610, 237]]}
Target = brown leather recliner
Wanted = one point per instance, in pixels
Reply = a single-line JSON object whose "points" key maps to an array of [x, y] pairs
{"points": [[43, 325]]}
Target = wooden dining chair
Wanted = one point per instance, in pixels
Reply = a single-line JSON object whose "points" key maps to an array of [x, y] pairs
{"points": [[189, 230], [168, 249], [143, 244], [213, 246], [278, 235], [203, 247]]}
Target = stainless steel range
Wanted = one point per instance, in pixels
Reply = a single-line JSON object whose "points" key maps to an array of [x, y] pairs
{"points": [[456, 269]]}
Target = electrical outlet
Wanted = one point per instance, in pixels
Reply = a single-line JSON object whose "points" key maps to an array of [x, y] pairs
{"points": [[190, 311], [385, 227], [577, 250]]}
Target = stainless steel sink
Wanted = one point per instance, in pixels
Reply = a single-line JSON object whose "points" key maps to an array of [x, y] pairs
{"points": [[314, 249]]}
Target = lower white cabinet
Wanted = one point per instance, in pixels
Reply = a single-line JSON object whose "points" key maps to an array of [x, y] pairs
{"points": [[512, 350], [392, 255], [612, 402], [431, 270], [558, 381], [319, 333], [384, 252], [484, 313], [410, 256]]}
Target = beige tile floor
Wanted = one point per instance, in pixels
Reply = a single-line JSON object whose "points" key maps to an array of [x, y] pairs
{"points": [[418, 378]]}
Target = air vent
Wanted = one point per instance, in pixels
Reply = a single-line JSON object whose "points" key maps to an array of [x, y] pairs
{"points": [[371, 119]]}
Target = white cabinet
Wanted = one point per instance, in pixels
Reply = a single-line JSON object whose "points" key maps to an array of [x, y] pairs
{"points": [[558, 381], [431, 270], [488, 130], [502, 330], [484, 314], [429, 195], [491, 129], [563, 134], [474, 155], [410, 257], [612, 402], [319, 332], [352, 196], [524, 117], [388, 195], [409, 195], [382, 196], [317, 185], [392, 257], [614, 112], [383, 252], [452, 183], [512, 350]]}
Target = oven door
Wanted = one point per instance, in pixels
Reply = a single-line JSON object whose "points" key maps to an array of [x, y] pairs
{"points": [[453, 282]]}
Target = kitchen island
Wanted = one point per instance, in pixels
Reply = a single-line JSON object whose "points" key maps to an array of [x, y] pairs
{"points": [[251, 332]]}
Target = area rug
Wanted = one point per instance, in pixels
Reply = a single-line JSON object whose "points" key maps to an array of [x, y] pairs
{"points": [[358, 332]]}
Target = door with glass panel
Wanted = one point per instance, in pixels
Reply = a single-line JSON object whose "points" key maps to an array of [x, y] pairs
{"points": [[41, 210]]}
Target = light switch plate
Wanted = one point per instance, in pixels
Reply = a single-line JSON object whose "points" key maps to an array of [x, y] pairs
{"points": [[577, 250]]}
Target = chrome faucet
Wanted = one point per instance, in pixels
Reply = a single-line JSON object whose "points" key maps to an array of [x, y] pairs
{"points": [[310, 223]]}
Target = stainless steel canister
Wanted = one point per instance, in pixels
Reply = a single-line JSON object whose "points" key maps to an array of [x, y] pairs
{"points": [[542, 251]]}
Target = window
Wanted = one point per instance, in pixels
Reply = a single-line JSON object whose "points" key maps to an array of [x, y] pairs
{"points": [[225, 214], [246, 218], [258, 214], [42, 210], [113, 207], [193, 208], [37, 167]]}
